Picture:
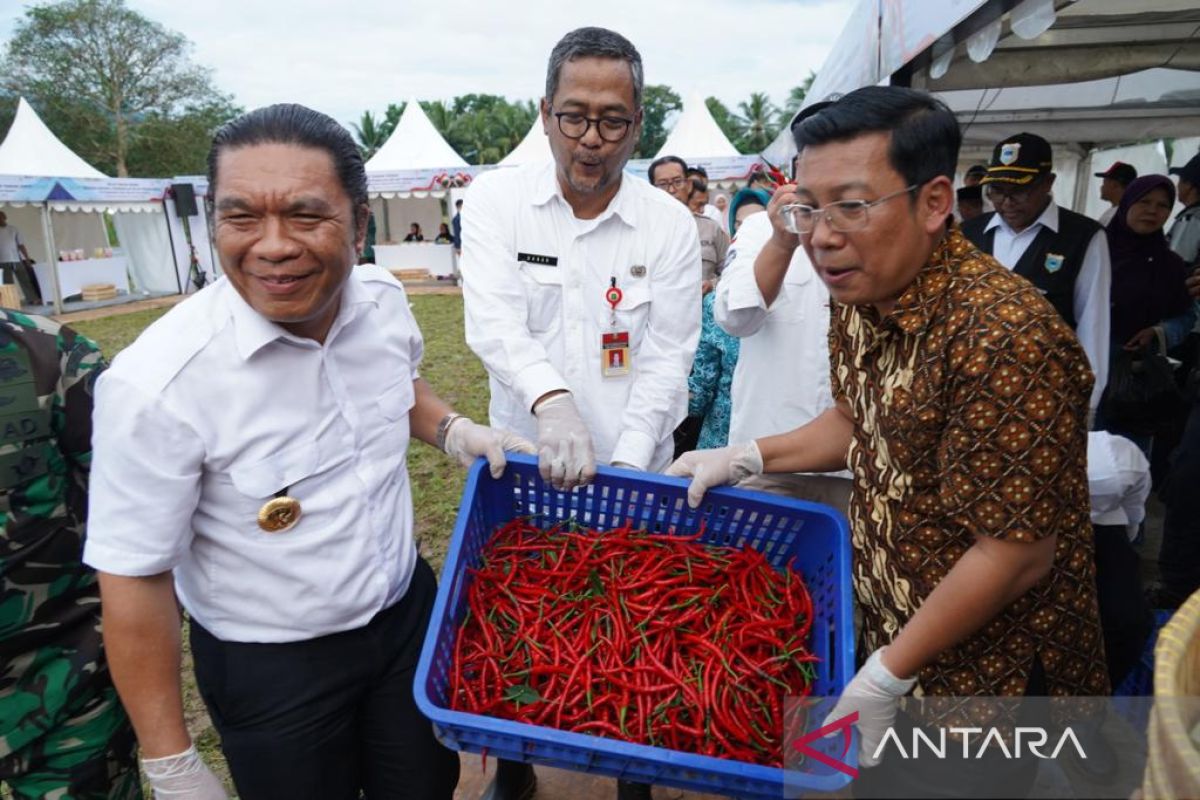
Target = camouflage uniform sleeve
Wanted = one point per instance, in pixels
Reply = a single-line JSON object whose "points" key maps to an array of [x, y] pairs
{"points": [[80, 364]]}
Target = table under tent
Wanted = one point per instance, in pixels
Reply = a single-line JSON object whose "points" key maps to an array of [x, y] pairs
{"points": [[415, 178]]}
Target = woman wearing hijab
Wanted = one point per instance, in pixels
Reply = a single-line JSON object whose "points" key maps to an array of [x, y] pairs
{"points": [[1151, 308], [1148, 293], [744, 203]]}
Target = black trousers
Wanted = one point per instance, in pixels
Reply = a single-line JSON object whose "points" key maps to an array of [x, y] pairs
{"points": [[26, 278], [329, 717]]}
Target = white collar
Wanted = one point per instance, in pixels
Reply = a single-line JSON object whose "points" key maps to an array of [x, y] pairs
{"points": [[1047, 219]]}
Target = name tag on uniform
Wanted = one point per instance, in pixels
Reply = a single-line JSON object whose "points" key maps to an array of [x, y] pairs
{"points": [[614, 354], [540, 260]]}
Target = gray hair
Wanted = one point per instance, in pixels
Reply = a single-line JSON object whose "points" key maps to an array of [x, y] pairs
{"points": [[594, 43]]}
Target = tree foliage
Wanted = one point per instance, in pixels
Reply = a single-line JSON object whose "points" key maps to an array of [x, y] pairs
{"points": [[658, 102], [117, 85]]}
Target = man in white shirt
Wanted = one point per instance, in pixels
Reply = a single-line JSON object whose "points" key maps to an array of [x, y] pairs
{"points": [[581, 285], [582, 289], [250, 459], [15, 261], [779, 309], [1064, 254]]}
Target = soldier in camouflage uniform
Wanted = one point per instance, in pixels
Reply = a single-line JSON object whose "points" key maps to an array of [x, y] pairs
{"points": [[63, 732]]}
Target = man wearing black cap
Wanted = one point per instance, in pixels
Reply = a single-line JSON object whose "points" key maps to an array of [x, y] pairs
{"points": [[1064, 254], [970, 202], [1112, 188], [974, 175], [1185, 231]]}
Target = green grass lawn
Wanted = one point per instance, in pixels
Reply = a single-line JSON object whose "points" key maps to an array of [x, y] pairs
{"points": [[453, 371]]}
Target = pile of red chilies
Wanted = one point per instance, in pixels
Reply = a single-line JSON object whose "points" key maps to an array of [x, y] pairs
{"points": [[649, 638]]}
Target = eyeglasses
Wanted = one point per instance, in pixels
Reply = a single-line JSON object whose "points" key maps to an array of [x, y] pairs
{"points": [[671, 184], [998, 195], [575, 126], [843, 216]]}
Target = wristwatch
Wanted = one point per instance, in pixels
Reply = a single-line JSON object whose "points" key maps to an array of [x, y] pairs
{"points": [[444, 427]]}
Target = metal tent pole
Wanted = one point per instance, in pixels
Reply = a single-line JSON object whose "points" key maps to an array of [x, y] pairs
{"points": [[52, 256]]}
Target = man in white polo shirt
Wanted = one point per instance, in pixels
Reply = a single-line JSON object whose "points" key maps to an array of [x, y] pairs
{"points": [[253, 443], [582, 287]]}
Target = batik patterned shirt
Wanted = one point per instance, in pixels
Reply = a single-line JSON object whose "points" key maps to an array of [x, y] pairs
{"points": [[970, 405]]}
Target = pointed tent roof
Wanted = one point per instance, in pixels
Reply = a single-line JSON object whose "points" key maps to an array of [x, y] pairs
{"points": [[534, 148], [415, 144], [696, 134], [30, 148]]}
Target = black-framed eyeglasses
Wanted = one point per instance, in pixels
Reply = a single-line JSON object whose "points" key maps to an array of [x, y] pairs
{"points": [[843, 216], [575, 126], [671, 184], [1018, 195]]}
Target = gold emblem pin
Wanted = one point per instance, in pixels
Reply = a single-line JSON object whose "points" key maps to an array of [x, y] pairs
{"points": [[279, 514]]}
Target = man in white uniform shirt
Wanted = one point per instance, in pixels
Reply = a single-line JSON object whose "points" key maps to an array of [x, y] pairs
{"points": [[547, 249], [1063, 254], [253, 443], [775, 304], [582, 289]]}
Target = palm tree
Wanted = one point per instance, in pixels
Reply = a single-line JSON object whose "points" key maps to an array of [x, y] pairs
{"points": [[796, 99], [370, 133], [757, 123]]}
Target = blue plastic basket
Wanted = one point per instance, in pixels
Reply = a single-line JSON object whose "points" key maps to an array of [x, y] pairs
{"points": [[780, 528]]}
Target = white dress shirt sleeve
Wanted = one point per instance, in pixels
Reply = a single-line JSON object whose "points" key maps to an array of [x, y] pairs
{"points": [[739, 307], [496, 306], [1091, 302], [658, 398], [145, 482]]}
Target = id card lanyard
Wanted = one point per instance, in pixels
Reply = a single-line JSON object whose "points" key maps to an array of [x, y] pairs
{"points": [[614, 344]]}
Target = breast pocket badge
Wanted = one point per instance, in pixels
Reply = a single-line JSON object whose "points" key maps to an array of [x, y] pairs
{"points": [[1054, 262]]}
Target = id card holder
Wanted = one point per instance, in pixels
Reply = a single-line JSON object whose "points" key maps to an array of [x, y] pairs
{"points": [[614, 345], [614, 354]]}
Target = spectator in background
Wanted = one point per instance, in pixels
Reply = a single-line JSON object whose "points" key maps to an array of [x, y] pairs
{"points": [[414, 234], [456, 226], [719, 208], [15, 262], [1116, 179], [778, 308], [745, 203], [974, 175], [712, 212], [443, 236], [698, 198], [1185, 231], [669, 173], [712, 376], [1064, 254], [969, 202], [1149, 298]]}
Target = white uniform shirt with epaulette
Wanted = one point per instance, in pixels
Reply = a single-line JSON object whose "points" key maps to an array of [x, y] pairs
{"points": [[213, 412], [534, 282]]}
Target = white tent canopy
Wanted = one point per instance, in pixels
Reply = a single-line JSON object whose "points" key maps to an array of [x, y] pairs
{"points": [[696, 134], [30, 148], [533, 149], [55, 198], [414, 145]]}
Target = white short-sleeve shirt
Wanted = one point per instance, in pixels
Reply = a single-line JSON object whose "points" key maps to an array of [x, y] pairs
{"points": [[534, 283], [214, 411]]}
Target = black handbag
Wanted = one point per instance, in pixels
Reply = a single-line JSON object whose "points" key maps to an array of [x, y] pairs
{"points": [[1142, 396]]}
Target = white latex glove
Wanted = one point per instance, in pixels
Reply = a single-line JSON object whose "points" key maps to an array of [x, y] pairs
{"points": [[722, 466], [565, 455], [875, 694], [182, 777], [467, 440]]}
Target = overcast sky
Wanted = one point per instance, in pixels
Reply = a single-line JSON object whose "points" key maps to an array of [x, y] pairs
{"points": [[345, 58]]}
